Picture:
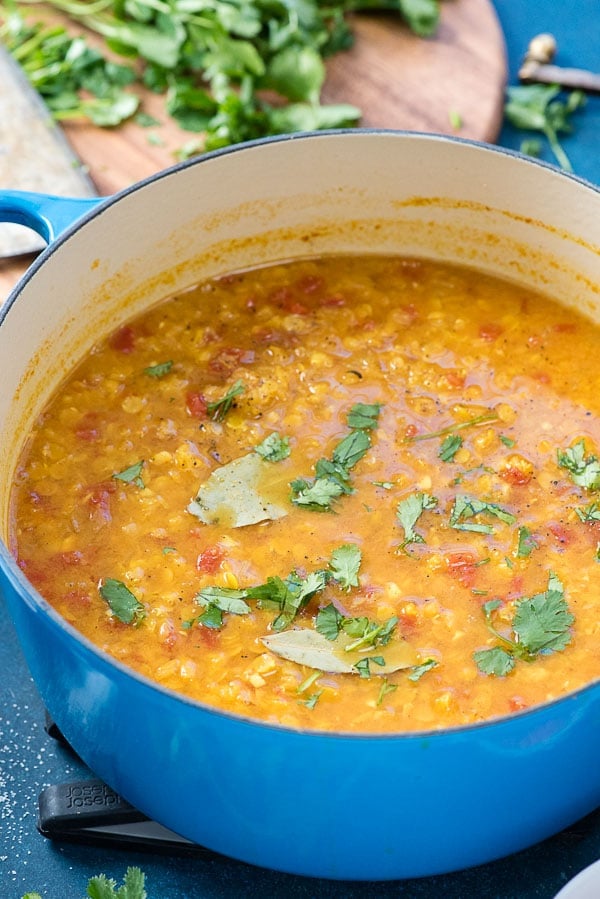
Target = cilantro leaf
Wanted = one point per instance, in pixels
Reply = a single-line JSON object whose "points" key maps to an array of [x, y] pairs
{"points": [[449, 448], [542, 622], [219, 409], [316, 496], [364, 416], [328, 621], [345, 562], [496, 661], [333, 475], [527, 543], [589, 513], [351, 449], [159, 370], [584, 469], [419, 670], [274, 448], [131, 475], [408, 512], [227, 599], [465, 508], [123, 603]]}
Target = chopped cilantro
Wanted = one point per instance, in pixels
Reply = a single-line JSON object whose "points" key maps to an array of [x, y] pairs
{"points": [[364, 666], [363, 416], [408, 512], [274, 448], [317, 495], [466, 507], [527, 543], [540, 624], [333, 475], [450, 446], [419, 670], [384, 689], [589, 513], [131, 475], [123, 603], [329, 621], [219, 409], [159, 370], [584, 469], [344, 564], [507, 441]]}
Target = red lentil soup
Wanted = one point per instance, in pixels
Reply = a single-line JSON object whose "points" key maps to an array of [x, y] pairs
{"points": [[357, 494]]}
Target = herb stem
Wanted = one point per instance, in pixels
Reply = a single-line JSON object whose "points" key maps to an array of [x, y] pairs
{"points": [[443, 432]]}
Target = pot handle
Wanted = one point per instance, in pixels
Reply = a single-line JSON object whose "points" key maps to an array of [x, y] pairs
{"points": [[46, 214]]}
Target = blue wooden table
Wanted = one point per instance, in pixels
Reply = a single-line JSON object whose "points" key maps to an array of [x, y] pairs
{"points": [[30, 759]]}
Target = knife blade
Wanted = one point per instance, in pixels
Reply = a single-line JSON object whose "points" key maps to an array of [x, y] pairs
{"points": [[34, 154]]}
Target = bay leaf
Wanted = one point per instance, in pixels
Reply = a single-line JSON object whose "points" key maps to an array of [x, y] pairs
{"points": [[246, 491], [308, 647]]}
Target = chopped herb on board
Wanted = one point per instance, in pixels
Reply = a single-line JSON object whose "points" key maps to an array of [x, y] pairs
{"points": [[123, 603], [540, 624], [214, 61]]}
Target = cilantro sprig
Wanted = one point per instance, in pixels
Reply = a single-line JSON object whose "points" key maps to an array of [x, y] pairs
{"points": [[583, 468], [332, 476], [539, 107], [541, 624], [285, 596]]}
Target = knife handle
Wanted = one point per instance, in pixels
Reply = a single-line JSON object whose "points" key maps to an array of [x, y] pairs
{"points": [[46, 214]]}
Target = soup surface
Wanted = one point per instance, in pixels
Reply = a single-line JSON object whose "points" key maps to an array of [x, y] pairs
{"points": [[349, 493]]}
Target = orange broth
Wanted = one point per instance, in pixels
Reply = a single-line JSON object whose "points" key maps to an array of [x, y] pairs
{"points": [[471, 512]]}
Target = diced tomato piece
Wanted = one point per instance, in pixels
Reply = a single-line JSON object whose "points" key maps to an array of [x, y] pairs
{"points": [[410, 431], [565, 328], [196, 404], [517, 704], [515, 476], [99, 499], [123, 340], [462, 566], [210, 559], [210, 636], [228, 358], [562, 534], [311, 284], [490, 331], [88, 428]]}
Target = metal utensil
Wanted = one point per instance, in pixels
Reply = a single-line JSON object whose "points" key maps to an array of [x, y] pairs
{"points": [[34, 154]]}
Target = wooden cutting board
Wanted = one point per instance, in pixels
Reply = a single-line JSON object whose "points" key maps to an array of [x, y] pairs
{"points": [[452, 83]]}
